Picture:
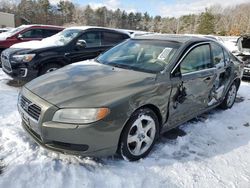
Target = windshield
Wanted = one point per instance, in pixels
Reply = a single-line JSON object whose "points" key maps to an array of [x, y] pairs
{"points": [[14, 31], [64, 37], [142, 55]]}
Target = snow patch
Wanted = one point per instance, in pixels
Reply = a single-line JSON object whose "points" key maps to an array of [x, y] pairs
{"points": [[210, 154]]}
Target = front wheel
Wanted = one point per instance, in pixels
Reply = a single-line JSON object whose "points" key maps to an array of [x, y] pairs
{"points": [[139, 135], [229, 100]]}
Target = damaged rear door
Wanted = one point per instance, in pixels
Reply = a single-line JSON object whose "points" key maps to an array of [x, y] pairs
{"points": [[192, 82]]}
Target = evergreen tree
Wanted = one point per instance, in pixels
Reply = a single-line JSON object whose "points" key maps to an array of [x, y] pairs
{"points": [[206, 25]]}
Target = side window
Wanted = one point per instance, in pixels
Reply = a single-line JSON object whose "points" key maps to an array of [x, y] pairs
{"points": [[33, 33], [49, 32], [92, 39], [197, 59], [110, 39], [218, 55]]}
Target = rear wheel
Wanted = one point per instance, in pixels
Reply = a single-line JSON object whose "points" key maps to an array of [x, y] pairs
{"points": [[49, 68], [139, 135], [229, 100]]}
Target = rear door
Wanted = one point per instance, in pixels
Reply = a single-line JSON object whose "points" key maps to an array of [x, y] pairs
{"points": [[49, 32], [110, 39], [192, 82]]}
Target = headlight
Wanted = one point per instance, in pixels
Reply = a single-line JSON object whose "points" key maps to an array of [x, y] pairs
{"points": [[23, 58], [81, 116]]}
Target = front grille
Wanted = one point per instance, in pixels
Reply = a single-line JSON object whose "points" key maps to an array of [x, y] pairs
{"points": [[32, 109], [5, 63]]}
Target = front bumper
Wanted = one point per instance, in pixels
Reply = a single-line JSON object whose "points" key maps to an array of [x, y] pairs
{"points": [[20, 71], [96, 139]]}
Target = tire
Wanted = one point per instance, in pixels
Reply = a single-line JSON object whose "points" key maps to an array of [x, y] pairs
{"points": [[143, 130], [229, 100], [49, 68]]}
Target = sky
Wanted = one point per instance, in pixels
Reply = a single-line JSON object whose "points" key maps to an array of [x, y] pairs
{"points": [[163, 8]]}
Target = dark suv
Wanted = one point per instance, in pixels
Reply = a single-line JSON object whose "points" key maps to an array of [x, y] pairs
{"points": [[26, 33], [26, 61]]}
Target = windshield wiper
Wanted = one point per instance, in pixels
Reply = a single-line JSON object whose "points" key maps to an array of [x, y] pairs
{"points": [[123, 66]]}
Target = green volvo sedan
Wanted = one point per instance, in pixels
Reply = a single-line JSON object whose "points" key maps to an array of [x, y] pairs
{"points": [[121, 102]]}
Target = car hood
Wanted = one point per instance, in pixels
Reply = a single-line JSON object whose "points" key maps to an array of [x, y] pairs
{"points": [[16, 51], [243, 45], [4, 36], [37, 44], [20, 51], [89, 84]]}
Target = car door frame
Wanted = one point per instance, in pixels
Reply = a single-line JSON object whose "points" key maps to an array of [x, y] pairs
{"points": [[176, 115]]}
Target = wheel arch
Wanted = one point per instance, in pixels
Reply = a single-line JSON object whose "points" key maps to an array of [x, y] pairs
{"points": [[46, 62], [152, 107]]}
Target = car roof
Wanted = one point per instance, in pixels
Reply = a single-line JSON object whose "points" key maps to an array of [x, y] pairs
{"points": [[173, 38], [40, 25], [97, 27]]}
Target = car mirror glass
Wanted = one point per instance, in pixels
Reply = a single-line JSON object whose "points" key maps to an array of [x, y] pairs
{"points": [[20, 36], [80, 44]]}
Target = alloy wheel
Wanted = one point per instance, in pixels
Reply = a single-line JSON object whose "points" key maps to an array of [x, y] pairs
{"points": [[141, 135]]}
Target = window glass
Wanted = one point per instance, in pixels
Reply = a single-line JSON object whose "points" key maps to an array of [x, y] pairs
{"points": [[49, 32], [218, 56], [140, 55], [109, 38], [198, 59], [92, 39], [33, 33]]}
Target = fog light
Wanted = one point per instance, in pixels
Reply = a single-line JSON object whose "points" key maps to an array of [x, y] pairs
{"points": [[23, 72]]}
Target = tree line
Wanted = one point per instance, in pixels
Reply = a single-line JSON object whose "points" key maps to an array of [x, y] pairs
{"points": [[234, 20]]}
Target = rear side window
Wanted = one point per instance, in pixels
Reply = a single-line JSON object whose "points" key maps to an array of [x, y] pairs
{"points": [[110, 39], [33, 33], [197, 59], [49, 32], [218, 55], [92, 39]]}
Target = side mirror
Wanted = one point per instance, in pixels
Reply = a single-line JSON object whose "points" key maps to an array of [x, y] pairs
{"points": [[177, 73], [19, 36], [80, 44]]}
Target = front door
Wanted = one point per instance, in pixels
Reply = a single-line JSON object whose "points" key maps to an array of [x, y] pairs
{"points": [[93, 47], [191, 90]]}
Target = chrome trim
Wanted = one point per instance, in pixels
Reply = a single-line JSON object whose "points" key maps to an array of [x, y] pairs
{"points": [[199, 71], [27, 106], [25, 72], [186, 53], [26, 114], [246, 68]]}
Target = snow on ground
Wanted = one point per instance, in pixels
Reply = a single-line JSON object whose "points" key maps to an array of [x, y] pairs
{"points": [[215, 152]]}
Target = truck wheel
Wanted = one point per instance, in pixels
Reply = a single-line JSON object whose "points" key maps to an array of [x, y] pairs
{"points": [[139, 135], [49, 68], [229, 100]]}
